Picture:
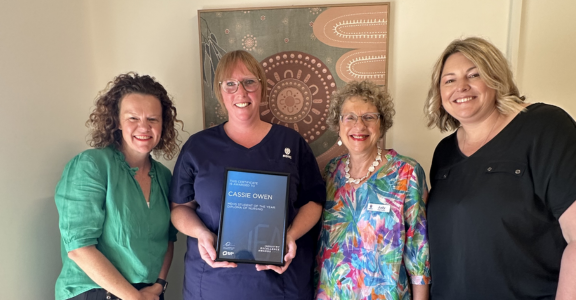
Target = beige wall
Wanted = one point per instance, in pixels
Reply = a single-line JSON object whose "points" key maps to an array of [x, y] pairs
{"points": [[56, 55], [46, 87], [547, 56]]}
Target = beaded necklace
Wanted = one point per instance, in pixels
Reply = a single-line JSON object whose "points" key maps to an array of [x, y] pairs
{"points": [[370, 169]]}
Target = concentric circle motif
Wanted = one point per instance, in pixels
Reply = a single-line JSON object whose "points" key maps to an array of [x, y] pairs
{"points": [[290, 100], [300, 87]]}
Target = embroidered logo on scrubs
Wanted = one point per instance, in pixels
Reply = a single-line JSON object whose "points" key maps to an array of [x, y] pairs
{"points": [[379, 207], [287, 153]]}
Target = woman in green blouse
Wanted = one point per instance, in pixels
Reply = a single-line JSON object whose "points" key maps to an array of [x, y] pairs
{"points": [[117, 240]]}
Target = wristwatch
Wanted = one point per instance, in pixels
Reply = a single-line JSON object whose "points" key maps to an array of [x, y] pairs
{"points": [[163, 283]]}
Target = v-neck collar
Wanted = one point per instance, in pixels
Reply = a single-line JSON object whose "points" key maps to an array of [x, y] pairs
{"points": [[499, 135], [236, 145]]}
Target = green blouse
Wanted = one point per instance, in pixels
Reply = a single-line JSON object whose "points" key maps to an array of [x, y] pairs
{"points": [[100, 203]]}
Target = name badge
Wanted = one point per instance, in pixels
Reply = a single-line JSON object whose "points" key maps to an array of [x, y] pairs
{"points": [[379, 207]]}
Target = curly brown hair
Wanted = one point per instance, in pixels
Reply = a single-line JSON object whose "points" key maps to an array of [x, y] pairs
{"points": [[367, 91], [104, 120]]}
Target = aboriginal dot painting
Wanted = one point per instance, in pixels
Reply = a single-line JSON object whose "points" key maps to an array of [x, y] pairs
{"points": [[307, 53]]}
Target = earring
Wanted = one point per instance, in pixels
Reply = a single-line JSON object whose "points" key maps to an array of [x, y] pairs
{"points": [[339, 142]]}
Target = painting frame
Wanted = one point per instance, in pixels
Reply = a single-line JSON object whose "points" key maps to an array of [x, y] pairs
{"points": [[335, 43]]}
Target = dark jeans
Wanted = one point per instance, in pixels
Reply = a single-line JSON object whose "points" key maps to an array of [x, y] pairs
{"points": [[102, 294]]}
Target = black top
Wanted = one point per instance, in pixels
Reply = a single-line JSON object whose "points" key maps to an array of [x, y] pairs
{"points": [[493, 216]]}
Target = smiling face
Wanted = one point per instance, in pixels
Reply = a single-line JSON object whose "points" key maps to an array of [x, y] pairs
{"points": [[141, 124], [360, 137], [465, 96], [242, 106]]}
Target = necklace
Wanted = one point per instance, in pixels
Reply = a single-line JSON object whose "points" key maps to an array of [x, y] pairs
{"points": [[489, 133], [370, 169]]}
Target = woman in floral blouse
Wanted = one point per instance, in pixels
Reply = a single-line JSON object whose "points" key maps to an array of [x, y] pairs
{"points": [[373, 243]]}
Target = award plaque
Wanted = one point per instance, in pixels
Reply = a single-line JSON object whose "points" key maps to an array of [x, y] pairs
{"points": [[253, 217]]}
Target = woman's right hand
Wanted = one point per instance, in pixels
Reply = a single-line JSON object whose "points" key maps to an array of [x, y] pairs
{"points": [[208, 253]]}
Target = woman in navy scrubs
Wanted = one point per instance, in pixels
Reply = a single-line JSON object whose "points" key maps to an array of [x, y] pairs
{"points": [[245, 142]]}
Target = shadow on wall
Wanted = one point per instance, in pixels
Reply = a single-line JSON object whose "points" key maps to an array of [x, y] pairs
{"points": [[44, 236], [176, 275]]}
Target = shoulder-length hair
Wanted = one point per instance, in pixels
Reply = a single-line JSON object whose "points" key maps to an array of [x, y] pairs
{"points": [[494, 71], [104, 121], [226, 66]]}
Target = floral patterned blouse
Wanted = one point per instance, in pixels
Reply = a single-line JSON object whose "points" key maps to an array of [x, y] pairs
{"points": [[373, 241]]}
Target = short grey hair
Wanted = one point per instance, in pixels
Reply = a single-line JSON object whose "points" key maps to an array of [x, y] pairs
{"points": [[367, 91]]}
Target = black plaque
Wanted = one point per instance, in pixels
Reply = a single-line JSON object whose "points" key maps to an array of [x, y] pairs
{"points": [[253, 217]]}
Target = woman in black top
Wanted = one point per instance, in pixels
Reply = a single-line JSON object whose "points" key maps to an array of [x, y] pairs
{"points": [[501, 212]]}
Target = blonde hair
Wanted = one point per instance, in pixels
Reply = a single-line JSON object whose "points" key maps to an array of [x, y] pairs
{"points": [[367, 91], [494, 71], [226, 66]]}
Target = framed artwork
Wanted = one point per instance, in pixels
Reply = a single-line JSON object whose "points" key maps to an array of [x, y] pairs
{"points": [[308, 52]]}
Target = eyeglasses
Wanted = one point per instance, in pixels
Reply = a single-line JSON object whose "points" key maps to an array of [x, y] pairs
{"points": [[230, 86], [352, 118]]}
